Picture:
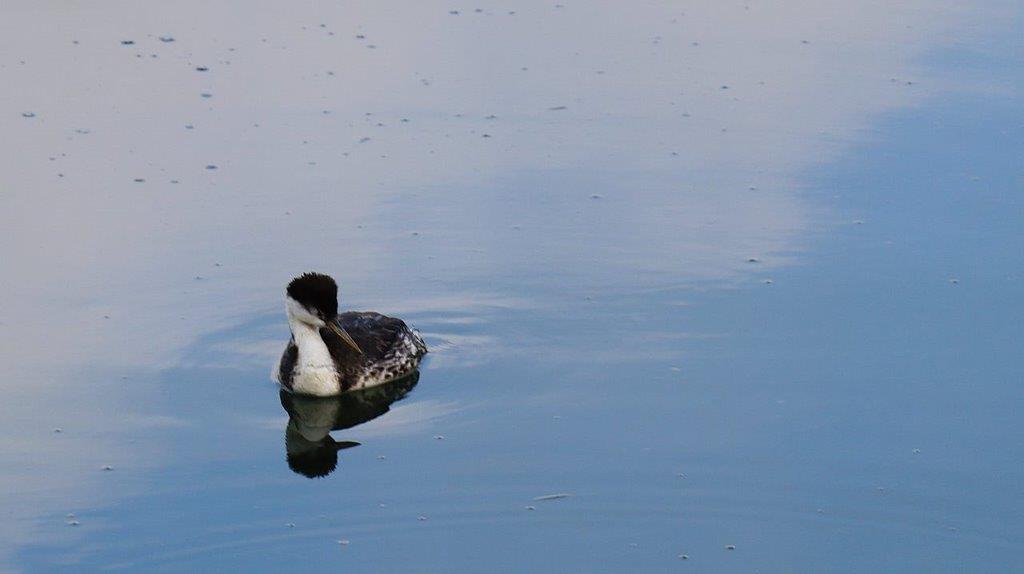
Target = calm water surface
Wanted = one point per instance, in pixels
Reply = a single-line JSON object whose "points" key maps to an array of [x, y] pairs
{"points": [[742, 279]]}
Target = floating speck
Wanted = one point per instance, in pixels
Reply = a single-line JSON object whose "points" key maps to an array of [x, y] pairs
{"points": [[58, 430], [768, 282], [439, 437], [211, 166], [139, 180], [202, 69], [73, 523], [421, 518], [127, 42], [108, 467], [69, 515], [290, 525], [557, 108], [858, 222], [166, 39], [364, 139], [343, 542], [730, 547], [684, 556], [595, 196], [360, 37], [916, 451], [954, 281], [206, 95], [381, 457], [531, 507], [453, 12], [174, 181], [552, 496], [752, 260]]}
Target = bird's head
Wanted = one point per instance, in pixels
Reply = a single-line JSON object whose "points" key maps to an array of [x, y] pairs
{"points": [[312, 299]]}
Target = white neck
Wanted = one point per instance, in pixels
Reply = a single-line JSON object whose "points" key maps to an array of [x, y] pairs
{"points": [[314, 370]]}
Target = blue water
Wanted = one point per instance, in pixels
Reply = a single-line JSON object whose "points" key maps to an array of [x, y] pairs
{"points": [[846, 402]]}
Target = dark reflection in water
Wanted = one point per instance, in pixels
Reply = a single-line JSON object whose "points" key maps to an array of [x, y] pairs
{"points": [[311, 451]]}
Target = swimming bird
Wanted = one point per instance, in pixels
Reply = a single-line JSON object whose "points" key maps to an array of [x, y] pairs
{"points": [[330, 353]]}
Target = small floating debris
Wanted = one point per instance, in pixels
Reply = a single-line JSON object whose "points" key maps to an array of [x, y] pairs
{"points": [[139, 180], [127, 42], [954, 281], [211, 166], [552, 496], [684, 556], [166, 39], [556, 108], [58, 430], [595, 196], [858, 222], [73, 523], [421, 518], [364, 139], [531, 507], [753, 260], [768, 282], [439, 437], [916, 451], [28, 114], [206, 95], [343, 542], [202, 69], [381, 457], [290, 525], [107, 467], [453, 12], [730, 547]]}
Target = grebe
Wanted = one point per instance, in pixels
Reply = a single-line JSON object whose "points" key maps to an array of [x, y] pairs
{"points": [[329, 353]]}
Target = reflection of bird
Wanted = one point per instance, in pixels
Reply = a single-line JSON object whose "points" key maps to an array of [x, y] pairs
{"points": [[311, 450], [330, 353]]}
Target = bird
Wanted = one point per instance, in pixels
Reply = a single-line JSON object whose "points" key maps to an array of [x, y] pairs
{"points": [[331, 353]]}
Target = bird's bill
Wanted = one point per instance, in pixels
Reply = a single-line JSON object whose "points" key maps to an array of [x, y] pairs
{"points": [[339, 331]]}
